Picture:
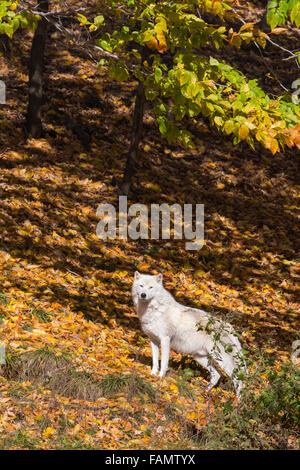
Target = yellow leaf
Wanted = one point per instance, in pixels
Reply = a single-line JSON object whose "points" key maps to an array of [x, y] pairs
{"points": [[75, 430], [274, 147], [243, 131], [162, 43], [144, 266], [152, 43], [174, 388], [48, 432], [199, 273]]}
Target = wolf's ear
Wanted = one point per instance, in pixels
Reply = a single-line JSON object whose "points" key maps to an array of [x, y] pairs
{"points": [[136, 275], [159, 278]]}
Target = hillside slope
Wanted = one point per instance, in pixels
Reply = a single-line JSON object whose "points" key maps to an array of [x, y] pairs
{"points": [[78, 366]]}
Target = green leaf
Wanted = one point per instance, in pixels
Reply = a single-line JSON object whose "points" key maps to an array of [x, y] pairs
{"points": [[229, 126], [106, 45], [162, 124], [213, 61], [83, 19], [98, 20], [218, 121], [119, 72], [158, 74]]}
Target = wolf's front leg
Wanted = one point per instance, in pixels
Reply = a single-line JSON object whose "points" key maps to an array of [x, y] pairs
{"points": [[165, 353], [155, 355]]}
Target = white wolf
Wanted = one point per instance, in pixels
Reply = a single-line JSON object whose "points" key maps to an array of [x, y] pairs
{"points": [[186, 330]]}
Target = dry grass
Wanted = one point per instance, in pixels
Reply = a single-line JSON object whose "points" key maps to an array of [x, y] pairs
{"points": [[58, 373]]}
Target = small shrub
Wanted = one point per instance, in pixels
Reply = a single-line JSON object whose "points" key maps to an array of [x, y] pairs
{"points": [[281, 399], [265, 417]]}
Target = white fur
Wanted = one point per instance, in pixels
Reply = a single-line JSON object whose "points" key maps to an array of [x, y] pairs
{"points": [[171, 325], [295, 356]]}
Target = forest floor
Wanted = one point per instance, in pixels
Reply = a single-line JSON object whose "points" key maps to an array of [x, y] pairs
{"points": [[78, 365]]}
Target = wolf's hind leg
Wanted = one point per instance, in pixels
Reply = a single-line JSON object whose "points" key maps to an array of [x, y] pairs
{"points": [[232, 369], [238, 384], [214, 374], [226, 363]]}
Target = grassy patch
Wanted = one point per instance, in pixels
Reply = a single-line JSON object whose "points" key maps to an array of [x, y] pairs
{"points": [[4, 299], [73, 443], [182, 382], [19, 440], [130, 384], [41, 365], [76, 384], [42, 315], [56, 372]]}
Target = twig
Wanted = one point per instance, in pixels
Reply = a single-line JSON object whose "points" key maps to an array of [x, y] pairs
{"points": [[292, 55]]}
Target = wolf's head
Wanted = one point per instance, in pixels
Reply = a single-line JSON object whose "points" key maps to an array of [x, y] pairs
{"points": [[145, 286]]}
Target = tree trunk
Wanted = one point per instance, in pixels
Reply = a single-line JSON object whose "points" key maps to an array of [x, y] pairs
{"points": [[263, 25], [5, 45], [137, 128], [33, 119]]}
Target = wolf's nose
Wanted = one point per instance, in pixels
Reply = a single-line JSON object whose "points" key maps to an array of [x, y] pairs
{"points": [[143, 295]]}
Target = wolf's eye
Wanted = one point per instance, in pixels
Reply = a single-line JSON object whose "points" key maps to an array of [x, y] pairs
{"points": [[141, 285], [150, 287]]}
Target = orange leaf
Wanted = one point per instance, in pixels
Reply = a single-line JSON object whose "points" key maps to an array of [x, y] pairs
{"points": [[153, 43], [295, 135], [162, 44], [274, 147], [243, 131]]}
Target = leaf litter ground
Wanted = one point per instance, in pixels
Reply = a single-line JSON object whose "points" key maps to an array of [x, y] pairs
{"points": [[66, 294]]}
